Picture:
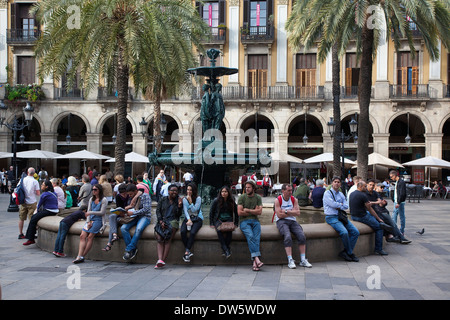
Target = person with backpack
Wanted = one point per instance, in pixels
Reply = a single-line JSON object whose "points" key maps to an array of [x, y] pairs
{"points": [[286, 209], [31, 189], [43, 175]]}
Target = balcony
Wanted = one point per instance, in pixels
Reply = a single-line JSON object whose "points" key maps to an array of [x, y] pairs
{"points": [[68, 94], [259, 34], [277, 93], [217, 35], [105, 93], [411, 91], [22, 36]]}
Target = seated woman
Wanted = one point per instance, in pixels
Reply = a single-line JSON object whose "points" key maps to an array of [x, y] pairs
{"points": [[224, 209], [47, 206], [96, 218], [168, 212], [193, 219]]}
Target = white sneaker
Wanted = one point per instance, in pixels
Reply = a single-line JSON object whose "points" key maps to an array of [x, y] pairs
{"points": [[305, 263], [291, 264]]}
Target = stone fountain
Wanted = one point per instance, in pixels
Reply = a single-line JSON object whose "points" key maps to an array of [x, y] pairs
{"points": [[211, 162]]}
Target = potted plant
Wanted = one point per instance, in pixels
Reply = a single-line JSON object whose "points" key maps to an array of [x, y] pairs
{"points": [[222, 29]]}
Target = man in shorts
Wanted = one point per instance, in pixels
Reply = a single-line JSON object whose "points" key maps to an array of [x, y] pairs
{"points": [[27, 209], [285, 214]]}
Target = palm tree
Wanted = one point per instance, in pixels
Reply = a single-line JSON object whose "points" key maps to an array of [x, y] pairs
{"points": [[121, 40], [329, 20]]}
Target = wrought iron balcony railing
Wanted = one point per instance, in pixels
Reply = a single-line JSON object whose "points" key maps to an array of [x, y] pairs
{"points": [[257, 34], [22, 36], [408, 91], [216, 35]]}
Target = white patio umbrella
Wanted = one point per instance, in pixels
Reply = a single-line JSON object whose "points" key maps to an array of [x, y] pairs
{"points": [[132, 157], [428, 162], [6, 155], [327, 157], [83, 154], [284, 157], [37, 154], [378, 159]]}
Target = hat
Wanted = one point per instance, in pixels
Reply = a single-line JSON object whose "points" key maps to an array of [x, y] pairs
{"points": [[252, 182]]}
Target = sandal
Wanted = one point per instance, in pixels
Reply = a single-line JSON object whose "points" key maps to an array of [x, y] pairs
{"points": [[255, 267], [78, 260], [107, 248], [115, 237]]}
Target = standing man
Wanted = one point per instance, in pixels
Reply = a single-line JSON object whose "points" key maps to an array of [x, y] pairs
{"points": [[249, 208], [187, 179], [31, 188], [399, 199], [267, 184], [359, 205], [333, 200], [285, 213], [143, 214], [10, 176]]}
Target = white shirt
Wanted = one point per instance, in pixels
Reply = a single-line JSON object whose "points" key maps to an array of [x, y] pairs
{"points": [[187, 176], [61, 200], [285, 205], [30, 185]]}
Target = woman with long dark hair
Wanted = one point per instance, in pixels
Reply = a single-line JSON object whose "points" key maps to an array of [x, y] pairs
{"points": [[96, 219], [224, 209], [193, 219]]}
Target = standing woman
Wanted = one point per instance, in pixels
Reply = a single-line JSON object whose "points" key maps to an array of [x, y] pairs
{"points": [[47, 206], [96, 218], [224, 209], [193, 219]]}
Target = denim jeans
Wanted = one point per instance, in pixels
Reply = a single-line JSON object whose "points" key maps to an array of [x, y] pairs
{"points": [[141, 224], [61, 237], [349, 233], [400, 210], [375, 225], [251, 228]]}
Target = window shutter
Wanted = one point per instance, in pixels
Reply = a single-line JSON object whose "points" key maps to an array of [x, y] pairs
{"points": [[269, 8], [246, 12], [222, 8], [415, 79], [199, 7]]}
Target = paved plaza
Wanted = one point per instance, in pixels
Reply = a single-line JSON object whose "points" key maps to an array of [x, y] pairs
{"points": [[418, 271]]}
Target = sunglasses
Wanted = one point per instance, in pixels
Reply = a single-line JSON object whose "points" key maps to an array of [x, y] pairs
{"points": [[94, 189]]}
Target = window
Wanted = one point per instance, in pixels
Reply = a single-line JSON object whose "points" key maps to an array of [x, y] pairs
{"points": [[305, 81], [257, 76], [26, 70], [352, 67], [211, 14], [407, 73], [258, 14]]}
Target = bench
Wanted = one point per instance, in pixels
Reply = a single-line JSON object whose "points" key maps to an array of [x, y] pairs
{"points": [[322, 244]]}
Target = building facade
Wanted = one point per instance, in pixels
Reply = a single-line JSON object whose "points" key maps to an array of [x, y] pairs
{"points": [[282, 93]]}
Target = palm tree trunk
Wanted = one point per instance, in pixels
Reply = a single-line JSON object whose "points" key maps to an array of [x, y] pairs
{"points": [[156, 124], [336, 110], [364, 92], [122, 100]]}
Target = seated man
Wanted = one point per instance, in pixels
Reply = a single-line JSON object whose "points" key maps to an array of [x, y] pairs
{"points": [[286, 209], [379, 206], [302, 193], [317, 194], [142, 213], [359, 205]]}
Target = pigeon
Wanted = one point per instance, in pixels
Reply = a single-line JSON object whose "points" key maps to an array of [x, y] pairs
{"points": [[421, 232]]}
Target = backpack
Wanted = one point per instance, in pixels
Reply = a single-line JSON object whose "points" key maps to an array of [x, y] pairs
{"points": [[20, 192], [280, 200]]}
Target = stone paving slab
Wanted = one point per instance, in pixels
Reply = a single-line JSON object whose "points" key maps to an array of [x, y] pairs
{"points": [[418, 271]]}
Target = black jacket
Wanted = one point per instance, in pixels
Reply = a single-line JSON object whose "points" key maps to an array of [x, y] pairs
{"points": [[401, 191], [215, 213]]}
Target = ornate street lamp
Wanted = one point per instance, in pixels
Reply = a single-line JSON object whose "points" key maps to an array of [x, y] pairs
{"points": [[15, 127], [342, 137]]}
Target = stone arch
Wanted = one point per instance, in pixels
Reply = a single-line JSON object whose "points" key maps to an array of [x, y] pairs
{"points": [[426, 123], [265, 114], [55, 122]]}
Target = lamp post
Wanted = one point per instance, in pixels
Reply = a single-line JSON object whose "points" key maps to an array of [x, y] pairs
{"points": [[342, 137], [15, 127], [163, 129]]}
